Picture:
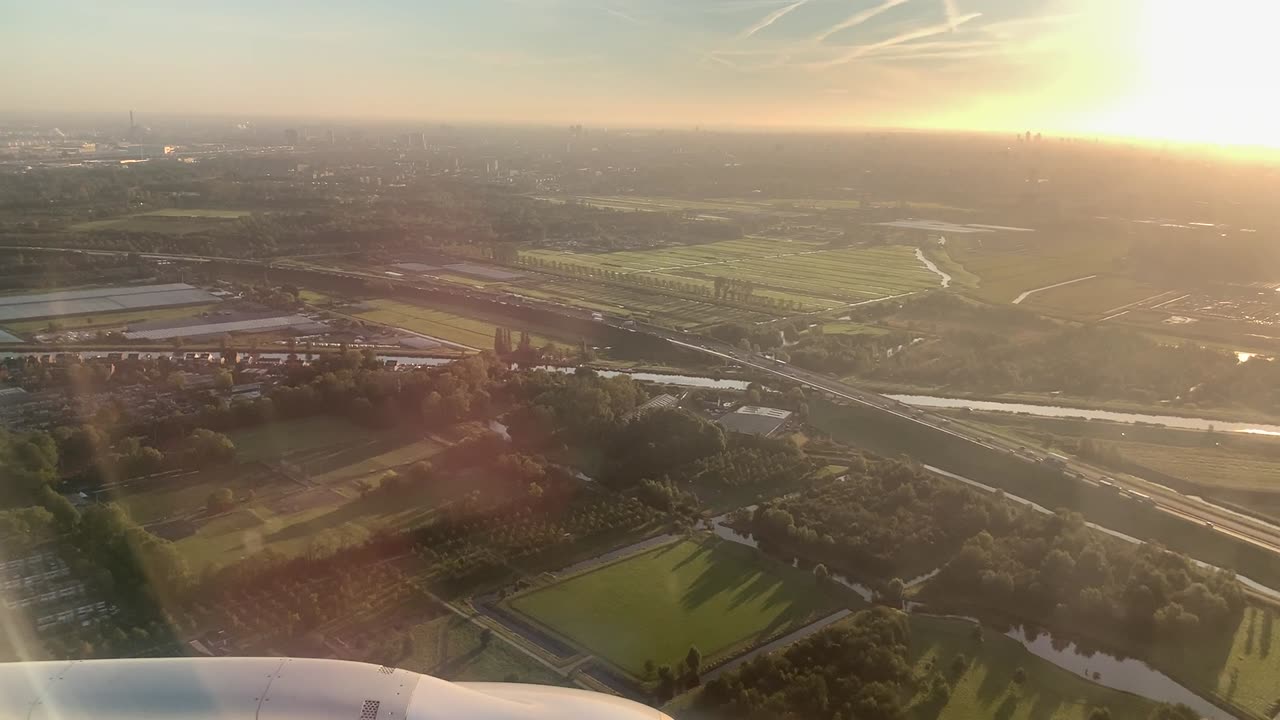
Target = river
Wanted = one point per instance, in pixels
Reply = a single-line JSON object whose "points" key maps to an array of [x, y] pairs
{"points": [[1173, 421], [1128, 675]]}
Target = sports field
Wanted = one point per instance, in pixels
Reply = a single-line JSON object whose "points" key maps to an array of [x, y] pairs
{"points": [[813, 273], [714, 594], [473, 332], [986, 689]]}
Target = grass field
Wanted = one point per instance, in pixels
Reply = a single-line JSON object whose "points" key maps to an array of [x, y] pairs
{"points": [[986, 689], [270, 441], [449, 647], [1100, 297], [317, 502], [809, 272], [1007, 265], [1244, 667], [714, 594], [107, 321], [851, 328], [638, 303], [470, 331], [178, 221]]}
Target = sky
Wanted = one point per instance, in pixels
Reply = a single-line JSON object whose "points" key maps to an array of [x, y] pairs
{"points": [[1181, 69]]}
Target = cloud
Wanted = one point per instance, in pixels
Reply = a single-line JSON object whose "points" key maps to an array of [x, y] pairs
{"points": [[770, 19], [857, 19], [917, 34]]}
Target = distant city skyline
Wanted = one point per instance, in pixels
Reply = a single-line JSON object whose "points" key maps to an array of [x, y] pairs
{"points": [[1161, 69]]}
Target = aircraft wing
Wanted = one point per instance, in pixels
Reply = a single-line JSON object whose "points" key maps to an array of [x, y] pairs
{"points": [[233, 688]]}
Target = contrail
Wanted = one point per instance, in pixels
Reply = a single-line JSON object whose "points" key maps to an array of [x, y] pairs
{"points": [[916, 34], [857, 19], [770, 19], [953, 13]]}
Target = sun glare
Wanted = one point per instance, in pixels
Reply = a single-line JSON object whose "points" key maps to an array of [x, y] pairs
{"points": [[1206, 74]]}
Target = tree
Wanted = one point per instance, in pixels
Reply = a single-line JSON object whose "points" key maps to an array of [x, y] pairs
{"points": [[1100, 713], [694, 659], [894, 591], [222, 380], [821, 573], [486, 637], [666, 683], [220, 500], [1019, 675]]}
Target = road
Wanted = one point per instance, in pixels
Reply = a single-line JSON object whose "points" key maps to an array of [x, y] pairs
{"points": [[1243, 528]]}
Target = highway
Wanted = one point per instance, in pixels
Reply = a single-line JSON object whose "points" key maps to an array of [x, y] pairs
{"points": [[1251, 530], [1247, 529]]}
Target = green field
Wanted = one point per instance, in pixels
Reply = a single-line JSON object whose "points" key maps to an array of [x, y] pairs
{"points": [[450, 647], [639, 303], [1009, 264], [1100, 297], [177, 221], [715, 594], [986, 689], [469, 331], [107, 321], [270, 441], [307, 497], [852, 328], [1243, 668], [811, 272]]}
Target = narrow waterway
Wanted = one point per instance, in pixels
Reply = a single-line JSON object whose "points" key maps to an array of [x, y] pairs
{"points": [[1129, 675], [1056, 411], [945, 278]]}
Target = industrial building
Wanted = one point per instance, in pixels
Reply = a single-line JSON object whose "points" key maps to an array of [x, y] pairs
{"points": [[100, 300], [754, 420]]}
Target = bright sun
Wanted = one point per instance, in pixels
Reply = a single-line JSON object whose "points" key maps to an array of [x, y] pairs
{"points": [[1208, 73]]}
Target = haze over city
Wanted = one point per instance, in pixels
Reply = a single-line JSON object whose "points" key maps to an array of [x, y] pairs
{"points": [[1089, 67]]}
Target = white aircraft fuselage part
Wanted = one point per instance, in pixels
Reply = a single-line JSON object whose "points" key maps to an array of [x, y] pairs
{"points": [[281, 689]]}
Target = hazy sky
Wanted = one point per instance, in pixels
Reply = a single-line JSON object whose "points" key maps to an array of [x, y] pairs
{"points": [[1169, 68]]}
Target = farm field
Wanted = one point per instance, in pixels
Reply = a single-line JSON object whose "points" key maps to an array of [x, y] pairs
{"points": [[108, 321], [795, 268], [312, 499], [450, 647], [636, 203], [470, 331], [639, 303], [1100, 297], [986, 689], [712, 593], [178, 221]]}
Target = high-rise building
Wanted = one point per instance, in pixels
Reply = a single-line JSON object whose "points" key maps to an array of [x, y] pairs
{"points": [[417, 141], [290, 137]]}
